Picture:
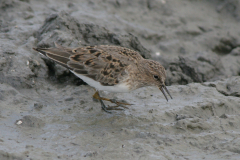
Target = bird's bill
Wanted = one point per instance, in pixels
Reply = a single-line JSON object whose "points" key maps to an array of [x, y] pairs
{"points": [[162, 88]]}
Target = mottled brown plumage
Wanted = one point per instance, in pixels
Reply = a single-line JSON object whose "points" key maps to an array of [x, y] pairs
{"points": [[110, 68]]}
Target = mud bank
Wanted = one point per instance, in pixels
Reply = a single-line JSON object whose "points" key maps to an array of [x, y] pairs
{"points": [[48, 113]]}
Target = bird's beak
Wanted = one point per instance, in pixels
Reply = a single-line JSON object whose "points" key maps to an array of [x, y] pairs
{"points": [[162, 90]]}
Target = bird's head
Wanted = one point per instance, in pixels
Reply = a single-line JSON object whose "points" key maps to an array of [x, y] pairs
{"points": [[156, 76]]}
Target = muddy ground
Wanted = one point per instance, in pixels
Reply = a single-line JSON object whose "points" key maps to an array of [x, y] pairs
{"points": [[48, 113]]}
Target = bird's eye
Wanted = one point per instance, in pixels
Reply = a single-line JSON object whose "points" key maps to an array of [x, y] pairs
{"points": [[155, 76]]}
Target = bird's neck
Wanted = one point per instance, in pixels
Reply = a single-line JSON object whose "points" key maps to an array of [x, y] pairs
{"points": [[138, 73]]}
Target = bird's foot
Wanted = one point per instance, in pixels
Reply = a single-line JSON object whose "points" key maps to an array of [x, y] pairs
{"points": [[118, 104]]}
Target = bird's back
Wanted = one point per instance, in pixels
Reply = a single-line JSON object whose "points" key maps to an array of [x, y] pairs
{"points": [[104, 64]]}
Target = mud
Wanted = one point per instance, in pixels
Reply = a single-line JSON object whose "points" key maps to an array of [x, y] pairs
{"points": [[48, 113]]}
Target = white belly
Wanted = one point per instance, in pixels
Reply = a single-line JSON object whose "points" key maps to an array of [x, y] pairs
{"points": [[117, 88]]}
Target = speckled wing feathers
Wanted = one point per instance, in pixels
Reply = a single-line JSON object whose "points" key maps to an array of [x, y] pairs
{"points": [[99, 63], [102, 63]]}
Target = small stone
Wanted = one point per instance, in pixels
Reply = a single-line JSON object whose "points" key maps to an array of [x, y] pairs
{"points": [[19, 122], [69, 99], [235, 51], [224, 116], [38, 106]]}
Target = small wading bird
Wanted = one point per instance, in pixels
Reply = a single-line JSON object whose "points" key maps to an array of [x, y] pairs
{"points": [[109, 68]]}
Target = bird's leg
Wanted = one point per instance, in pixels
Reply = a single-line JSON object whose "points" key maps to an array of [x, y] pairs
{"points": [[97, 96], [104, 107]]}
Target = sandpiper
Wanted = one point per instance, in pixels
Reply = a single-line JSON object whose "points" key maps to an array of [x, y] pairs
{"points": [[109, 68]]}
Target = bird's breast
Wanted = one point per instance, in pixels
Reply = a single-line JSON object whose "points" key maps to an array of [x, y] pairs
{"points": [[120, 87]]}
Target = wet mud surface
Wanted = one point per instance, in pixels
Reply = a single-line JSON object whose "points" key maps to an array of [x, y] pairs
{"points": [[48, 113]]}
